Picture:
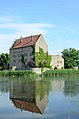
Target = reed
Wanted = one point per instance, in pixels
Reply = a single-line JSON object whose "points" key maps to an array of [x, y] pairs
{"points": [[18, 73], [62, 72]]}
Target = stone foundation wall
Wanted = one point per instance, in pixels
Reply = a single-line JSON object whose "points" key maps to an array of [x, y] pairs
{"points": [[39, 70], [36, 70]]}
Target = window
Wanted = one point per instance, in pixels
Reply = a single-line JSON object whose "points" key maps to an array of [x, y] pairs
{"points": [[19, 60], [14, 56], [57, 61], [30, 53], [25, 54], [14, 61], [25, 60], [22, 48], [19, 55]]}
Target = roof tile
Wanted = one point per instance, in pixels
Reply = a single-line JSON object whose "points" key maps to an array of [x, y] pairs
{"points": [[26, 41]]}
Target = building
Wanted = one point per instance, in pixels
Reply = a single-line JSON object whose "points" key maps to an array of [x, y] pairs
{"points": [[28, 95], [57, 62], [22, 52], [58, 85]]}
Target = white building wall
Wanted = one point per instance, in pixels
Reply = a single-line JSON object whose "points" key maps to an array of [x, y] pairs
{"points": [[57, 61], [41, 43], [57, 85]]}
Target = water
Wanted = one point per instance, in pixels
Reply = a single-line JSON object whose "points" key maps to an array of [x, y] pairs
{"points": [[53, 98]]}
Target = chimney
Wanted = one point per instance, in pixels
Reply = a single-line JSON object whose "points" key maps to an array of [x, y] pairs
{"points": [[21, 40], [31, 37]]}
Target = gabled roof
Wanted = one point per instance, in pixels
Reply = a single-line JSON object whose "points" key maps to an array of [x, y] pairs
{"points": [[26, 41], [28, 106]]}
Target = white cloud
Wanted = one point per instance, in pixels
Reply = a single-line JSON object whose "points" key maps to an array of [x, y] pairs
{"points": [[6, 19], [19, 30], [24, 25], [24, 29], [55, 52], [5, 42]]}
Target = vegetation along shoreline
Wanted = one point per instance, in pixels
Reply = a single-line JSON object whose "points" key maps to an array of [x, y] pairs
{"points": [[18, 73], [48, 73], [62, 72]]}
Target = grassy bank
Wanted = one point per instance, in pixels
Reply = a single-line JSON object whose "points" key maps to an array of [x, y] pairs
{"points": [[63, 72], [28, 73], [18, 73]]}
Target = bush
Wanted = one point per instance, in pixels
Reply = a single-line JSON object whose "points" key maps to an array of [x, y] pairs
{"points": [[18, 73]]}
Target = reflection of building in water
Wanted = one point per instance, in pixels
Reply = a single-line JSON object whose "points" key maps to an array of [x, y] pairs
{"points": [[57, 85], [30, 96]]}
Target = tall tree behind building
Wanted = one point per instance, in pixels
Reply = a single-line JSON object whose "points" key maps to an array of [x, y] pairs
{"points": [[71, 57]]}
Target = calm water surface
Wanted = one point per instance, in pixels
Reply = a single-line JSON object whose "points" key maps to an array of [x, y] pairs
{"points": [[53, 98]]}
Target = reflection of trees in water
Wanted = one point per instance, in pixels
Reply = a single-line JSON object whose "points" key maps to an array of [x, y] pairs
{"points": [[71, 87], [38, 87], [4, 85], [42, 88]]}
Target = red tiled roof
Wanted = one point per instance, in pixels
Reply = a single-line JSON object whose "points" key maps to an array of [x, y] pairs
{"points": [[26, 41], [28, 106]]}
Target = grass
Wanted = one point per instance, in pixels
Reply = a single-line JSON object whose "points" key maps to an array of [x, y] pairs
{"points": [[18, 73], [62, 72], [48, 73]]}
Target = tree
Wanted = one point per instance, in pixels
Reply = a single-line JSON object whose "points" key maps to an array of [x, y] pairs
{"points": [[4, 59], [71, 57], [47, 60], [42, 59], [22, 59], [36, 59]]}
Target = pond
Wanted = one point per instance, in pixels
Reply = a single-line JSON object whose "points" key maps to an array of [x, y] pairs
{"points": [[42, 98]]}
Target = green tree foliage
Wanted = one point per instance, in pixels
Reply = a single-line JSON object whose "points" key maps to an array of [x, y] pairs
{"points": [[47, 60], [22, 59], [42, 59], [71, 57], [4, 59], [36, 59]]}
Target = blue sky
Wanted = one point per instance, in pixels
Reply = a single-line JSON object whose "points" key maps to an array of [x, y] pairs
{"points": [[57, 20]]}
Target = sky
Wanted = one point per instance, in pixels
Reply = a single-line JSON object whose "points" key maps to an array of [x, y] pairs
{"points": [[57, 20]]}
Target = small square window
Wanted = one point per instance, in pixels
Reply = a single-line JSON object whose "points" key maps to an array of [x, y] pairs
{"points": [[19, 60], [14, 61], [30, 53], [14, 56]]}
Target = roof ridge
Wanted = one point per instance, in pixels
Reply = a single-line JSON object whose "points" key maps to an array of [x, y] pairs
{"points": [[26, 41], [38, 37], [30, 36], [15, 42]]}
